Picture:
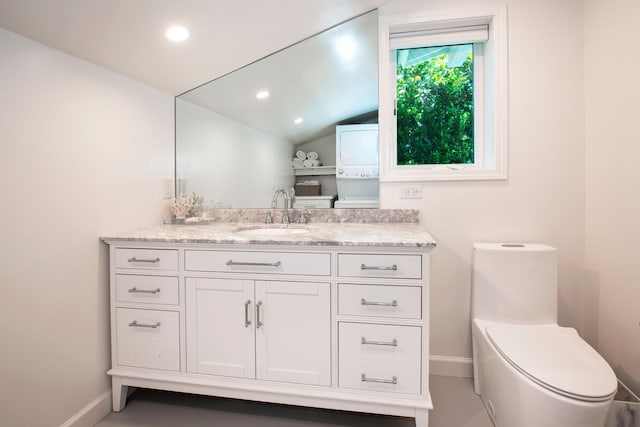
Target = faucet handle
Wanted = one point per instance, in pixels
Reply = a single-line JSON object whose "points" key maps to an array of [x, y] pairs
{"points": [[285, 218], [302, 219], [268, 219]]}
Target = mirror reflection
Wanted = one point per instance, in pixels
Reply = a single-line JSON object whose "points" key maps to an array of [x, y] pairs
{"points": [[303, 119]]}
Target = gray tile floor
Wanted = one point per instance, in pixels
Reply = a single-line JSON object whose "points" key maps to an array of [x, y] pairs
{"points": [[455, 405]]}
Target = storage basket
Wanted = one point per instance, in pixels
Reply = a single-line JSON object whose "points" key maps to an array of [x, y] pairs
{"points": [[308, 189]]}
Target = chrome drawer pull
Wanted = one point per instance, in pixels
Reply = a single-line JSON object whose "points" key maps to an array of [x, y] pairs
{"points": [[135, 324], [376, 267], [393, 380], [392, 343], [150, 261], [255, 264], [258, 321], [393, 303], [134, 290], [247, 322]]}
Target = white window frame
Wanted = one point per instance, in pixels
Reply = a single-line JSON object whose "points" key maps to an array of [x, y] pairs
{"points": [[490, 97]]}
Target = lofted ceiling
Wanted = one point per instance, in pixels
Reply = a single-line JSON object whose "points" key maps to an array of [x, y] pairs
{"points": [[325, 80], [127, 36]]}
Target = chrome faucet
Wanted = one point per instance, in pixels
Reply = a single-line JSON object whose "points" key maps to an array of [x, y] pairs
{"points": [[274, 204]]}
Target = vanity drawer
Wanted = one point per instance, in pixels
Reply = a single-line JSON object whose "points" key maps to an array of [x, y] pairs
{"points": [[309, 264], [373, 375], [147, 259], [390, 343], [148, 339], [146, 289], [380, 265], [403, 302]]}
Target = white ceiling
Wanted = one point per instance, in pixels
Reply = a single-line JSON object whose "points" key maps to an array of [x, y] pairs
{"points": [[127, 36]]}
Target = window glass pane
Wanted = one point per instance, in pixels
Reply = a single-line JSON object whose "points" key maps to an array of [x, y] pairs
{"points": [[434, 92]]}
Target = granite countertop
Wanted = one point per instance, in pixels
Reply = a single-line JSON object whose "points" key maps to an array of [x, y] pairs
{"points": [[396, 234]]}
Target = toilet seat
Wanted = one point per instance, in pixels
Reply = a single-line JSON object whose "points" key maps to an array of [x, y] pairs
{"points": [[555, 358]]}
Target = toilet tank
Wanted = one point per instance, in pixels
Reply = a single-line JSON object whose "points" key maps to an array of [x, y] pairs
{"points": [[514, 283]]}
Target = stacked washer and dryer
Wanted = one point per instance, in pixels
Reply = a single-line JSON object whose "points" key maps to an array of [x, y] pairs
{"points": [[357, 166]]}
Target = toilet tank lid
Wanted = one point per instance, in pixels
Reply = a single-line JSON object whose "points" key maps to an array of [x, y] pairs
{"points": [[556, 358], [510, 246]]}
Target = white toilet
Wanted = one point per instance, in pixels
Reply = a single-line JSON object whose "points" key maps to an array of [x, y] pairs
{"points": [[529, 371]]}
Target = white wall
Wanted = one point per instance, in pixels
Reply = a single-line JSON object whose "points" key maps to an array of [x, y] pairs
{"points": [[543, 199], [260, 163], [612, 90], [84, 152], [325, 147]]}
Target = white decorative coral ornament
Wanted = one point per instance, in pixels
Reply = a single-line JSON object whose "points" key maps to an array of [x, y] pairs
{"points": [[183, 208]]}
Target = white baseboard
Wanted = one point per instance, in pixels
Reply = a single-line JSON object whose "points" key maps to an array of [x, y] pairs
{"points": [[451, 366], [92, 413]]}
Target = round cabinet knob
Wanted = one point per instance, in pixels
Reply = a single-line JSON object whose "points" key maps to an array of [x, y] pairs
{"points": [[340, 171], [362, 174], [368, 173]]}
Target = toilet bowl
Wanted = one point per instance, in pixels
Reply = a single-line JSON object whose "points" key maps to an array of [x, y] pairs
{"points": [[529, 371]]}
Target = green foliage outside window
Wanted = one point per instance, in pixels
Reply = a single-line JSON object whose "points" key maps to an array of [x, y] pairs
{"points": [[435, 111]]}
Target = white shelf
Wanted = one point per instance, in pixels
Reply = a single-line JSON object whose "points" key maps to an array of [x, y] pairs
{"points": [[318, 170]]}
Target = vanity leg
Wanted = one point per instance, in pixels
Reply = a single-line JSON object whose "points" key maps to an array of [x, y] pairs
{"points": [[422, 417], [119, 394]]}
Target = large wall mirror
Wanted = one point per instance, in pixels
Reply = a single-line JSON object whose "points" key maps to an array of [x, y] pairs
{"points": [[237, 136]]}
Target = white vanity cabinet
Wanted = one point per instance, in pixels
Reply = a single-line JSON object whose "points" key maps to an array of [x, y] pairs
{"points": [[328, 326]]}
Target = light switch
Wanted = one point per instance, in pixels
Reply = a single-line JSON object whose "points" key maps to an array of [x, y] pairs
{"points": [[167, 188]]}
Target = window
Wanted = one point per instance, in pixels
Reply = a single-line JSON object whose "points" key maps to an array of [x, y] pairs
{"points": [[443, 97]]}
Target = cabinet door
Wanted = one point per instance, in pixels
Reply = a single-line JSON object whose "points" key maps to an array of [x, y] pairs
{"points": [[220, 330], [293, 332]]}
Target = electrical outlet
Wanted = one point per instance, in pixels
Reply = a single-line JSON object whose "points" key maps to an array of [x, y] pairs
{"points": [[411, 192], [167, 188]]}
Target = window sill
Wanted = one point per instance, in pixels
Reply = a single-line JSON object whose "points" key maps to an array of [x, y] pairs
{"points": [[426, 174]]}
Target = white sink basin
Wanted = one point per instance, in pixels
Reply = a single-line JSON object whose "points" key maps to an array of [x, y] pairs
{"points": [[271, 230]]}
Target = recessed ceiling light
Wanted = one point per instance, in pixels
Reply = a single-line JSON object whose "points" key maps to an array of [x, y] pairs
{"points": [[298, 120], [262, 94], [177, 34]]}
